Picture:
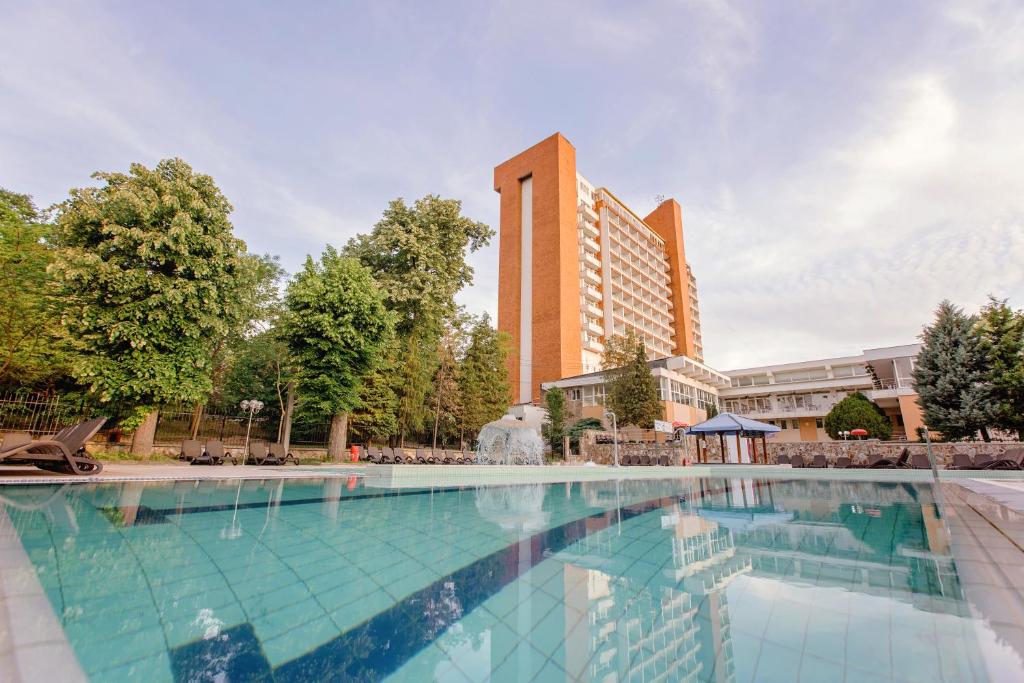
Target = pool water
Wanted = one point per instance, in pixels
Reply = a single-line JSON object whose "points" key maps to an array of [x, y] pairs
{"points": [[666, 580]]}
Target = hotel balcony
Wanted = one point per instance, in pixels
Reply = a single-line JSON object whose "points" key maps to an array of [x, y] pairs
{"points": [[588, 211], [591, 293], [589, 229], [591, 245], [593, 310], [594, 328], [591, 261], [591, 276]]}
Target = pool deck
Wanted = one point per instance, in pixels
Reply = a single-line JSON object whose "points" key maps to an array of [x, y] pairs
{"points": [[427, 475]]}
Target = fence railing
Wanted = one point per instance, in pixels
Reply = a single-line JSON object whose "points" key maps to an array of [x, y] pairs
{"points": [[43, 414]]}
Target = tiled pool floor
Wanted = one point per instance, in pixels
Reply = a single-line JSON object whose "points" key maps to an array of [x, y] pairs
{"points": [[682, 579]]}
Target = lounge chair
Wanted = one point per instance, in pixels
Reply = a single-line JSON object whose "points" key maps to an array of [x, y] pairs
{"points": [[797, 461], [1012, 459], [782, 460], [421, 457], [214, 454], [962, 461], [190, 450], [982, 459], [819, 461], [276, 456], [664, 460], [842, 463], [883, 463], [920, 461], [63, 452], [257, 453], [387, 455], [645, 460]]}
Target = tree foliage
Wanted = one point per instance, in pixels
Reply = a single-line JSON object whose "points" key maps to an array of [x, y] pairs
{"points": [[1000, 332], [950, 375], [631, 391], [30, 344], [483, 377], [857, 411], [575, 432], [335, 326], [149, 270], [554, 427]]}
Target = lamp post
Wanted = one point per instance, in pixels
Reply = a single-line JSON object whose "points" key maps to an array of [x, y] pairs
{"points": [[251, 406], [615, 435], [845, 434]]}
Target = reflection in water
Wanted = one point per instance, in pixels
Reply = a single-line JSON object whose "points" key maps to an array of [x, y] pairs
{"points": [[712, 580]]}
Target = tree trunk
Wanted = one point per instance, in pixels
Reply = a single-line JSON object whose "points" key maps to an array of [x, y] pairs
{"points": [[145, 434], [339, 434], [285, 429], [197, 419], [985, 435]]}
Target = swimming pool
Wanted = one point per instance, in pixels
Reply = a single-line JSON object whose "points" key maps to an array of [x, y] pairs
{"points": [[678, 580]]}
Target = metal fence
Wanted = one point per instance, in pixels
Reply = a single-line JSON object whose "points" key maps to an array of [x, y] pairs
{"points": [[43, 414]]}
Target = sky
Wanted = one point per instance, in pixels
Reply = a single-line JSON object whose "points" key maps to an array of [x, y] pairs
{"points": [[842, 166]]}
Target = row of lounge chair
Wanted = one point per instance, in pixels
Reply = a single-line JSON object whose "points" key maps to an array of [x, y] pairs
{"points": [[214, 453], [1012, 459], [644, 459], [64, 452], [397, 456]]}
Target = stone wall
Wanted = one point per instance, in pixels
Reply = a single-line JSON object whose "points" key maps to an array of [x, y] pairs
{"points": [[858, 451]]}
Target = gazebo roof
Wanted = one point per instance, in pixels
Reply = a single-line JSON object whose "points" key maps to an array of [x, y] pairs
{"points": [[730, 423]]}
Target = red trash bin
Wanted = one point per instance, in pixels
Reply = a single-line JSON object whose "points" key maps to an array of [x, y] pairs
{"points": [[355, 453]]}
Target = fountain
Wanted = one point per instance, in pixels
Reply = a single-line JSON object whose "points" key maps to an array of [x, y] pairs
{"points": [[518, 508], [509, 441]]}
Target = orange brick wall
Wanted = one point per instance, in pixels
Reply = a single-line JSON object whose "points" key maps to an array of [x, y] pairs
{"points": [[667, 221], [556, 306]]}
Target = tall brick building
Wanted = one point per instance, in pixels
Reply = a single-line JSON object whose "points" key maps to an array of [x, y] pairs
{"points": [[578, 266]]}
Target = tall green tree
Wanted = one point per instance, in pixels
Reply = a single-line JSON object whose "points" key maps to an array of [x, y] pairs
{"points": [[336, 327], [1000, 332], [260, 368], [30, 343], [631, 392], [148, 268], [418, 256], [554, 427], [857, 411], [445, 398], [950, 376], [483, 378], [375, 419]]}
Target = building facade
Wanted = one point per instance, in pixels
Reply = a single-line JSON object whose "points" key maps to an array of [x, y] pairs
{"points": [[578, 266], [798, 396], [686, 387]]}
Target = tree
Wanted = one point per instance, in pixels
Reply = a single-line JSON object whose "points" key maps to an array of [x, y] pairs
{"points": [[260, 369], [857, 411], [375, 418], [711, 411], [31, 350], [483, 377], [554, 428], [148, 268], [445, 397], [418, 256], [1000, 332], [949, 376], [631, 392], [336, 327]]}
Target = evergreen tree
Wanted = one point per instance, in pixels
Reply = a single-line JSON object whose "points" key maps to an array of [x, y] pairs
{"points": [[857, 411], [575, 432], [483, 378], [336, 328], [554, 427], [150, 273], [375, 419], [631, 391], [1000, 332], [950, 376], [445, 398]]}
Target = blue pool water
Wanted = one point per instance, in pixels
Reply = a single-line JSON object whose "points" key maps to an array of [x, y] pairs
{"points": [[667, 580]]}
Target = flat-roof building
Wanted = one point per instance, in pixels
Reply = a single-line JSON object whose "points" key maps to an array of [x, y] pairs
{"points": [[798, 396], [578, 266]]}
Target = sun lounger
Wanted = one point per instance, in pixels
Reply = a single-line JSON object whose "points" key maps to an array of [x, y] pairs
{"points": [[664, 460], [819, 461], [842, 463], [257, 453], [920, 461], [982, 459], [883, 463], [65, 452], [190, 450], [783, 460], [1012, 459], [645, 460], [797, 461], [214, 454], [277, 456], [962, 461]]}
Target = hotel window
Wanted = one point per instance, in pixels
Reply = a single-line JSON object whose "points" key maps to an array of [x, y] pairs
{"points": [[819, 423], [575, 394], [793, 424]]}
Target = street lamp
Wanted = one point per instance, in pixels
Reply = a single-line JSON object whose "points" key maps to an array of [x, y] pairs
{"points": [[615, 435], [251, 406], [845, 434]]}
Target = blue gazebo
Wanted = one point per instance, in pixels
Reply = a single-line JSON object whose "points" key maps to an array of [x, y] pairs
{"points": [[732, 424]]}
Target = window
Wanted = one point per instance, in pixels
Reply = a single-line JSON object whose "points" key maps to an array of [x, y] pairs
{"points": [[574, 394], [793, 424], [819, 423]]}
